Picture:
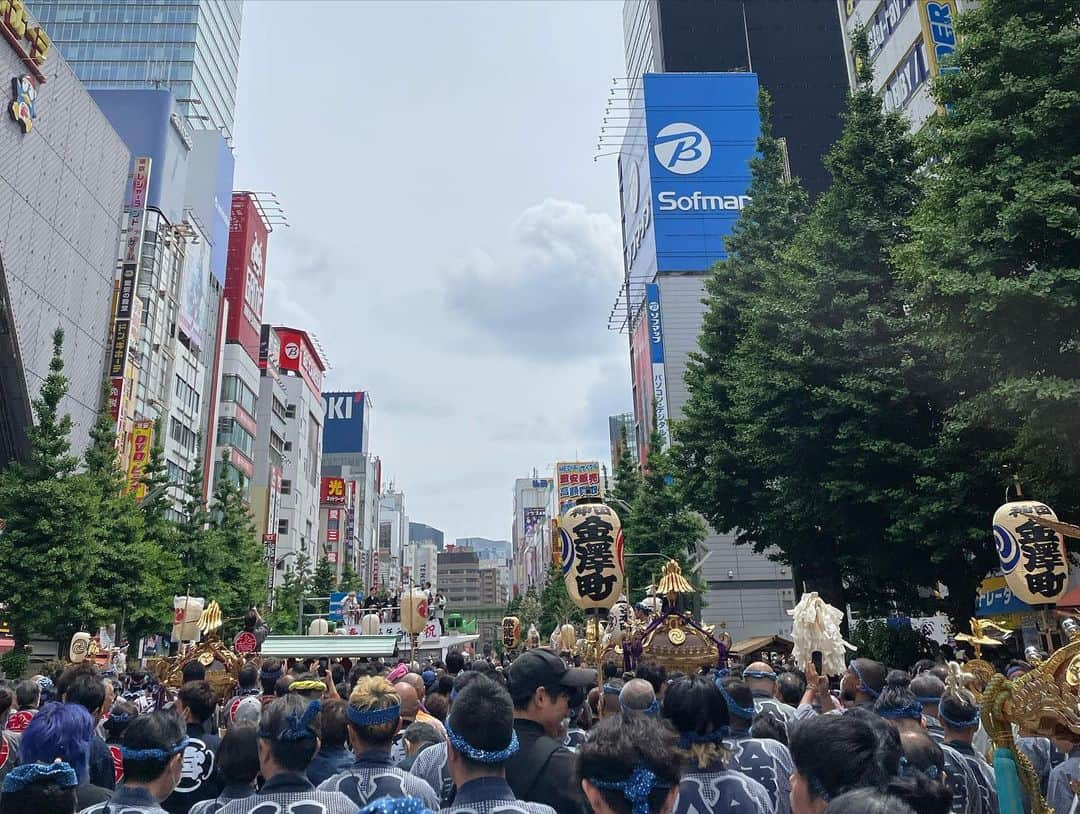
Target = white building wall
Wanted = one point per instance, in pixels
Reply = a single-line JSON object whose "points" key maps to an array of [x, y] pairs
{"points": [[299, 505]]}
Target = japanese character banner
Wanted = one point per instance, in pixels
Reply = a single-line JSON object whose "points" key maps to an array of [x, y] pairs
{"points": [[142, 439], [592, 555], [1032, 556]]}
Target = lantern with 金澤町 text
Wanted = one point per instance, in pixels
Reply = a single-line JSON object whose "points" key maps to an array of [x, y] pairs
{"points": [[592, 555], [1033, 557]]}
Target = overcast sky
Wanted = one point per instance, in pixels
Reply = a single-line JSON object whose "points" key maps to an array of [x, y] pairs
{"points": [[453, 244]]}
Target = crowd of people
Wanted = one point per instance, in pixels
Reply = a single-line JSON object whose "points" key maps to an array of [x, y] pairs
{"points": [[536, 735]]}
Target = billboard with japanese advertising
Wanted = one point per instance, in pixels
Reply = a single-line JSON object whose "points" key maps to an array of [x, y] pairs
{"points": [[655, 326], [684, 186], [245, 276], [332, 492], [299, 355], [577, 479], [142, 441], [345, 425], [534, 519], [641, 373]]}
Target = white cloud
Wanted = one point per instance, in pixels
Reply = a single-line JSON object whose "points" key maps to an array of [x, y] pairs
{"points": [[547, 297]]}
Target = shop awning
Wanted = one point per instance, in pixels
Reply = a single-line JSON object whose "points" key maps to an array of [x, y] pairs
{"points": [[373, 647], [6, 645]]}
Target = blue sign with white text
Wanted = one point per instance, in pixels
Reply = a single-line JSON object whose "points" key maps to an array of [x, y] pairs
{"points": [[656, 323], [344, 423], [702, 133]]}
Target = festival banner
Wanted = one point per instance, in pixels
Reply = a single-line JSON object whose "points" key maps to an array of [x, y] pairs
{"points": [[142, 440]]}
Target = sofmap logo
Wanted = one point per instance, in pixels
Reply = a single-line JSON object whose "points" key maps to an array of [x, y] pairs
{"points": [[656, 332], [682, 148], [292, 350]]}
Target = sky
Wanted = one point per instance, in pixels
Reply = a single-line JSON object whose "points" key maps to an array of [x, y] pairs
{"points": [[453, 244]]}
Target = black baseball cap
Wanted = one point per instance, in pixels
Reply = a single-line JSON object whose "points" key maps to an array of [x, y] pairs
{"points": [[540, 667]]}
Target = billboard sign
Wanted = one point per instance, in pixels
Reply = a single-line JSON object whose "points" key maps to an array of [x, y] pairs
{"points": [[345, 423], [534, 518], [938, 19], [269, 351], [655, 326], [30, 42], [195, 288], [299, 355], [245, 276], [333, 525], [577, 479], [142, 439], [702, 133], [641, 372], [332, 492]]}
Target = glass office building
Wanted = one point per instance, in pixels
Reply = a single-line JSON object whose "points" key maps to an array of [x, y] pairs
{"points": [[191, 47]]}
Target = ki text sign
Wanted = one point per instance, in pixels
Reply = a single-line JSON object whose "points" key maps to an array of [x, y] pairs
{"points": [[577, 479], [344, 422]]}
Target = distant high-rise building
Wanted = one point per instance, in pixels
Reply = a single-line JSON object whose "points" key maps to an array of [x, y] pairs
{"points": [[421, 533], [795, 48], [191, 47], [621, 434]]}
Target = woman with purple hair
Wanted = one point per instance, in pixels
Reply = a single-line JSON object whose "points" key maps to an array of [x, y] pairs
{"points": [[63, 732]]}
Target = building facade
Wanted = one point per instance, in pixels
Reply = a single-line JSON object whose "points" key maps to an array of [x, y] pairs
{"points": [[65, 171], [794, 48], [191, 47], [531, 538], [464, 583], [621, 438], [906, 38], [393, 540], [288, 453], [420, 533]]}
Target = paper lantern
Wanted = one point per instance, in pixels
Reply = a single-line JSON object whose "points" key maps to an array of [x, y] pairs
{"points": [[1033, 557], [533, 639], [187, 611], [369, 624], [80, 647], [592, 555], [414, 611], [511, 632], [318, 627], [567, 637]]}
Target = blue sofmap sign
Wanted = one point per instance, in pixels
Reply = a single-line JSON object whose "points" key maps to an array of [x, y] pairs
{"points": [[344, 423], [702, 133], [654, 315]]}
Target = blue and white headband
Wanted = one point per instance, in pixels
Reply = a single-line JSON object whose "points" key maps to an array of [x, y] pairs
{"points": [[734, 707], [636, 788], [912, 710], [154, 754], [866, 688], [653, 708], [481, 755], [297, 725], [769, 674], [928, 699], [371, 717], [59, 773], [396, 805], [611, 689], [959, 723], [688, 739]]}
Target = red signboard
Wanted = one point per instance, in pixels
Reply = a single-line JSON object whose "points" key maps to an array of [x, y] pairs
{"points": [[245, 273], [333, 525], [116, 396], [140, 182], [332, 492], [299, 355]]}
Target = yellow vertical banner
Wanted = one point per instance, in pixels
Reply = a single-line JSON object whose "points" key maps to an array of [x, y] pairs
{"points": [[142, 439], [938, 18]]}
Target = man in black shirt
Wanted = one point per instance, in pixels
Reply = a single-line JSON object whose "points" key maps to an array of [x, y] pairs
{"points": [[545, 693]]}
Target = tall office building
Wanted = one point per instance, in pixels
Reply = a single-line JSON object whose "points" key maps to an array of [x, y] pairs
{"points": [[795, 48], [191, 47]]}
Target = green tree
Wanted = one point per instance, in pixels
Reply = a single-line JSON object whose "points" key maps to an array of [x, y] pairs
{"points": [[556, 607], [156, 505], [350, 580], [659, 523], [325, 577], [48, 553], [191, 533], [291, 585], [528, 611], [235, 559], [715, 470], [135, 576], [994, 261], [897, 647]]}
